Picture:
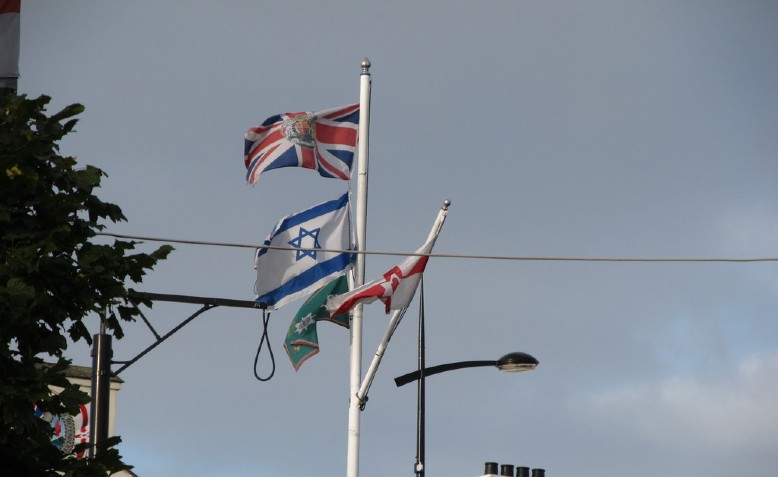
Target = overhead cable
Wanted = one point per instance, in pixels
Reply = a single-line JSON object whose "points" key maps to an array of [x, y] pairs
{"points": [[455, 255]]}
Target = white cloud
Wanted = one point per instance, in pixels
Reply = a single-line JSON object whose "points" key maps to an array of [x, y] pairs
{"points": [[749, 225], [736, 411]]}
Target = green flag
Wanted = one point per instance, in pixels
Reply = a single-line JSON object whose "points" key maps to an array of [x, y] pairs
{"points": [[301, 341]]}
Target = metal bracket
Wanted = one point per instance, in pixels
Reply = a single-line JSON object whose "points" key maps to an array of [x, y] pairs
{"points": [[208, 303]]}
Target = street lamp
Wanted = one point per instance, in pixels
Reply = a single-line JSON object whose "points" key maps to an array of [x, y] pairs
{"points": [[511, 363]]}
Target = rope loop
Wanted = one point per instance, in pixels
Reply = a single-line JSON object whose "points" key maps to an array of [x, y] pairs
{"points": [[264, 339]]}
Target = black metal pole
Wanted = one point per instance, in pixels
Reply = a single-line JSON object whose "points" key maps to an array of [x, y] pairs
{"points": [[101, 389], [441, 368], [420, 397]]}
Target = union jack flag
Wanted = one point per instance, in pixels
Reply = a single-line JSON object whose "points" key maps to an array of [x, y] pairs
{"points": [[324, 141]]}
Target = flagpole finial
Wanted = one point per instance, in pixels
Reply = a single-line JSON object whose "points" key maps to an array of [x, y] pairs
{"points": [[446, 204], [365, 66]]}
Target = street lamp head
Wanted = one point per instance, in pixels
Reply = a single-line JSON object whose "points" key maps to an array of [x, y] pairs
{"points": [[517, 361]]}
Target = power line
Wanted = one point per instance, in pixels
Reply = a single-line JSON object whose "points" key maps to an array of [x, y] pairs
{"points": [[456, 255]]}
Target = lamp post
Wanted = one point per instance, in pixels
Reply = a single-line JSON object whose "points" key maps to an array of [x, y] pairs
{"points": [[511, 362]]}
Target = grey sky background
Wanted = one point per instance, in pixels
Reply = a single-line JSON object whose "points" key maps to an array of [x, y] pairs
{"points": [[556, 128]]}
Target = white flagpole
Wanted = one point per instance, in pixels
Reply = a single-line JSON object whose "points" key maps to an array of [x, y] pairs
{"points": [[396, 317], [352, 465], [379, 355]]}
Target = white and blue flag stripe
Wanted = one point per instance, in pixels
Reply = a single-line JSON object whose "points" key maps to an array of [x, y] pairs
{"points": [[284, 275]]}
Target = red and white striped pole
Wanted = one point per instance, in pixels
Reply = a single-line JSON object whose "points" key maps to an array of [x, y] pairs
{"points": [[9, 45]]}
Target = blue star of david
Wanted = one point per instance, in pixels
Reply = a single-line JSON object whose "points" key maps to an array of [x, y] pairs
{"points": [[298, 242]]}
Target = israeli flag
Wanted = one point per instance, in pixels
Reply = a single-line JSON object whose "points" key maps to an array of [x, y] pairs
{"points": [[302, 262]]}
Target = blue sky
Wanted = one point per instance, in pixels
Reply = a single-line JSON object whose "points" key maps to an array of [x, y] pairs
{"points": [[556, 128]]}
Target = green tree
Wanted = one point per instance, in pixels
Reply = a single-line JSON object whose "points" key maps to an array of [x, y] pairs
{"points": [[54, 273]]}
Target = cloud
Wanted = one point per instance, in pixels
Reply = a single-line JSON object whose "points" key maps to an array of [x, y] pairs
{"points": [[748, 225], [735, 412]]}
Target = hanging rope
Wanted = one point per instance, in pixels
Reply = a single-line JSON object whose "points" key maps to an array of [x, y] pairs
{"points": [[264, 339]]}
